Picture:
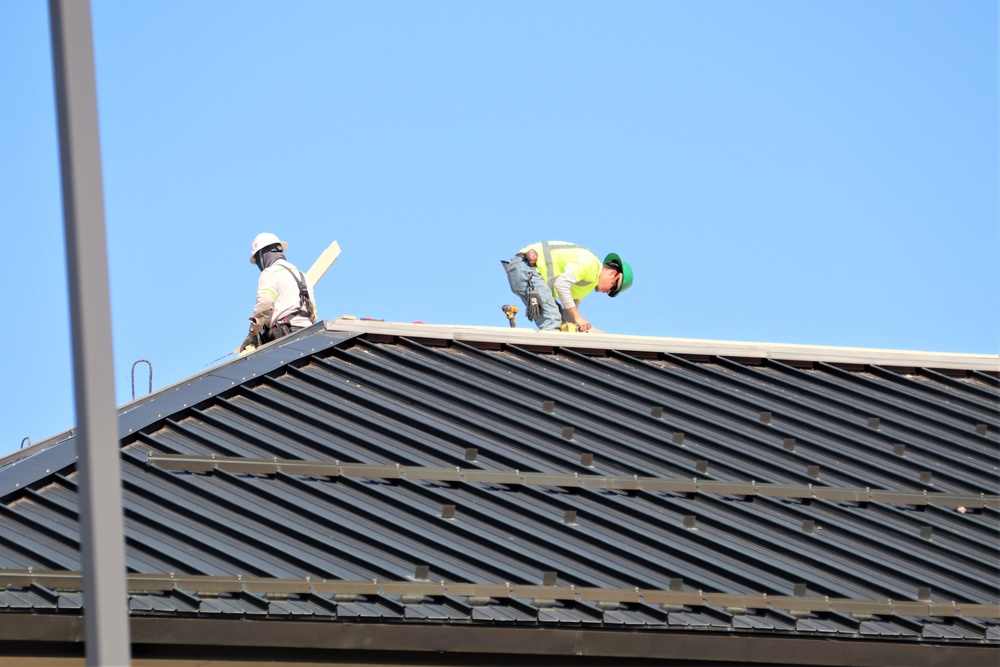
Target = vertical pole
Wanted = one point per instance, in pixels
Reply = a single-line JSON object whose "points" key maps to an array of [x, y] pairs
{"points": [[100, 488]]}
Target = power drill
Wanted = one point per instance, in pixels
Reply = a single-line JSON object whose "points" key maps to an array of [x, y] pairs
{"points": [[510, 312]]}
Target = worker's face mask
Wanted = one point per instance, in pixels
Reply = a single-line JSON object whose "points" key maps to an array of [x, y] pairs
{"points": [[269, 256]]}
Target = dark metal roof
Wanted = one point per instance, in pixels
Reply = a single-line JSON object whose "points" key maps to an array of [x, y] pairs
{"points": [[562, 486]]}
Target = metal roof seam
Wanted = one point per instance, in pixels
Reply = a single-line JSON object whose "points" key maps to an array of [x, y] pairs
{"points": [[866, 398], [792, 424]]}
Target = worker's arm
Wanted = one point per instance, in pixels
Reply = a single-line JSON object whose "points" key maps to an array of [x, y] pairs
{"points": [[562, 286], [582, 323], [267, 292]]}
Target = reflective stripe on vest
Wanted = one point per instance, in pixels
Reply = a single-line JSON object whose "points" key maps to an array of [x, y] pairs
{"points": [[547, 249]]}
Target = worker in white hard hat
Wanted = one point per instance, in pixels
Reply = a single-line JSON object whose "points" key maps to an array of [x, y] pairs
{"points": [[285, 301]]}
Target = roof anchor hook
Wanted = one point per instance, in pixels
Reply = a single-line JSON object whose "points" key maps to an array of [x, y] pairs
{"points": [[142, 361]]}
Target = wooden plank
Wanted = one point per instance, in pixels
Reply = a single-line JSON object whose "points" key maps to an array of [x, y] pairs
{"points": [[323, 263]]}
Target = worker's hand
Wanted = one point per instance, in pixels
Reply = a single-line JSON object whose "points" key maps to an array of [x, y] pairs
{"points": [[583, 324], [250, 340]]}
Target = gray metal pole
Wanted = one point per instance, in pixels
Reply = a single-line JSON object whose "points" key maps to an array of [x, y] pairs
{"points": [[100, 487]]}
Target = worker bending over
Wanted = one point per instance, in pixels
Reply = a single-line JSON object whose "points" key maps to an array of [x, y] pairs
{"points": [[543, 272], [285, 301]]}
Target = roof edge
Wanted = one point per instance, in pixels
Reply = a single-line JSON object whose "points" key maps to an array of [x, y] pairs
{"points": [[719, 348], [292, 639], [28, 465]]}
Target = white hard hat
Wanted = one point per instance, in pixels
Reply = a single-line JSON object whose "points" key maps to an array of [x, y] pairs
{"points": [[262, 241]]}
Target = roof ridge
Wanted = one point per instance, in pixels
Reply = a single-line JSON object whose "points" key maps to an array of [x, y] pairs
{"points": [[989, 363]]}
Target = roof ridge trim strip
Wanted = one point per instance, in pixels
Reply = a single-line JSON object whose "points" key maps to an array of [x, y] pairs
{"points": [[856, 355]]}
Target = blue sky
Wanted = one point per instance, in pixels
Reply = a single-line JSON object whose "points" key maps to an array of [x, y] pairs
{"points": [[775, 171]]}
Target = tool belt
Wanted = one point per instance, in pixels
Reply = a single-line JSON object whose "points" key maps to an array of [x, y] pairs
{"points": [[279, 329]]}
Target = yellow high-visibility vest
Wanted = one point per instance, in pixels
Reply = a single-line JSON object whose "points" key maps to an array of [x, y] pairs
{"points": [[556, 257]]}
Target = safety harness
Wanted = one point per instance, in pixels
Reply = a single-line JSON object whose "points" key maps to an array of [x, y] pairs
{"points": [[306, 307]]}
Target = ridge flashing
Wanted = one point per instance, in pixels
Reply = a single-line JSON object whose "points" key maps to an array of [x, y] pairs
{"points": [[989, 363]]}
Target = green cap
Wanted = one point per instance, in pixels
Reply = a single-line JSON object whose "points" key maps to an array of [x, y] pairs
{"points": [[624, 273]]}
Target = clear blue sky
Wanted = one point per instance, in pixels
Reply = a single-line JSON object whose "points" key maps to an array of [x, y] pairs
{"points": [[777, 171]]}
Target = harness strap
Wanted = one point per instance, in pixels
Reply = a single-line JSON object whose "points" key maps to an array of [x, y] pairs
{"points": [[304, 301]]}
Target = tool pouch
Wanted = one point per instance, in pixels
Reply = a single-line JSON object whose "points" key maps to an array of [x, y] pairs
{"points": [[534, 305]]}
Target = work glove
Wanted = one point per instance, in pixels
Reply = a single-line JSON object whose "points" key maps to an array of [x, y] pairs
{"points": [[250, 340], [534, 305]]}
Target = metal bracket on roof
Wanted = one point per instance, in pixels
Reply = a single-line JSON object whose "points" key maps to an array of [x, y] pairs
{"points": [[71, 581], [335, 469]]}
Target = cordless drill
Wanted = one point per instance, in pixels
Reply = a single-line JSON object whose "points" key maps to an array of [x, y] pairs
{"points": [[510, 312]]}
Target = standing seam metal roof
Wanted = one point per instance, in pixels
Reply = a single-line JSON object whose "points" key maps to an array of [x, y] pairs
{"points": [[435, 404]]}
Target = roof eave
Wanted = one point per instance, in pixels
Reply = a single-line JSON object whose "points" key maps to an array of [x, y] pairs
{"points": [[260, 639]]}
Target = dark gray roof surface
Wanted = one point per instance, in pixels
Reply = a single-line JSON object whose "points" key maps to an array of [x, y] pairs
{"points": [[794, 491]]}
